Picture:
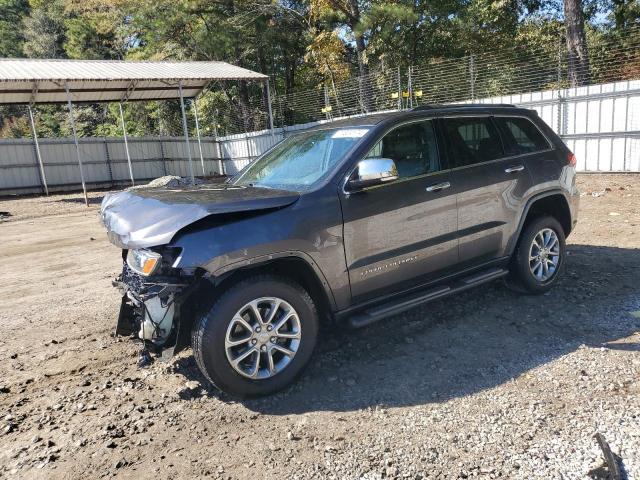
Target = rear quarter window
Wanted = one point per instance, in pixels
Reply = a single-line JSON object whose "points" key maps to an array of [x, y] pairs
{"points": [[522, 135]]}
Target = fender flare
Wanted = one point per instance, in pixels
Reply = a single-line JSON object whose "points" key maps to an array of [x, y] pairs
{"points": [[260, 260], [525, 211]]}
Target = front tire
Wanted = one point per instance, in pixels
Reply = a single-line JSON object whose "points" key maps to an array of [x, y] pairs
{"points": [[539, 256], [257, 337]]}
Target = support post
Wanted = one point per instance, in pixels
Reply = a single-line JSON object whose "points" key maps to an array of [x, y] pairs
{"points": [[195, 114], [399, 90], [186, 133], [269, 107], [37, 146], [246, 140], [472, 77], [410, 87], [164, 162], [626, 128], [75, 141], [126, 144], [218, 146], [326, 103], [108, 157]]}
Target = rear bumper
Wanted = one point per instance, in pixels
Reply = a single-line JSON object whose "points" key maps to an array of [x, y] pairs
{"points": [[574, 206]]}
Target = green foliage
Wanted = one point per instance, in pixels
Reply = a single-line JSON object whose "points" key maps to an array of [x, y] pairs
{"points": [[12, 12], [44, 30], [300, 44], [625, 13]]}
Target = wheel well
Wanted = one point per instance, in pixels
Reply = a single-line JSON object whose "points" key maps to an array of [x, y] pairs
{"points": [[556, 206], [294, 268]]}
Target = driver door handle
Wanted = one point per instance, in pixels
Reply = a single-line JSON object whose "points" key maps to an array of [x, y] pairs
{"points": [[517, 168], [438, 186]]}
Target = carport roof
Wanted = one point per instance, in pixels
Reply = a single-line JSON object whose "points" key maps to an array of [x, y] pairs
{"points": [[28, 81]]}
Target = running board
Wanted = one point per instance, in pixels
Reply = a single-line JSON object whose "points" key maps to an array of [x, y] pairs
{"points": [[407, 302]]}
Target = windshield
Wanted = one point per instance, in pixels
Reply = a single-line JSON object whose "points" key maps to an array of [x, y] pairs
{"points": [[302, 160]]}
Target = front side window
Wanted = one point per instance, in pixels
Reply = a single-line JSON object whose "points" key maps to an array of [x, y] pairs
{"points": [[525, 136], [412, 147], [300, 161], [472, 140]]}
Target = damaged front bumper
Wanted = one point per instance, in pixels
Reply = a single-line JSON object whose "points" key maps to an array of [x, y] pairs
{"points": [[153, 308]]}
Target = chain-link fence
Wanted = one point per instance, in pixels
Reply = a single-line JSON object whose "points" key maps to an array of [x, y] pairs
{"points": [[613, 56], [598, 118], [520, 70]]}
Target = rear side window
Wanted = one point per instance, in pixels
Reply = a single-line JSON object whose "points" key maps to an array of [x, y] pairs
{"points": [[522, 135], [472, 140]]}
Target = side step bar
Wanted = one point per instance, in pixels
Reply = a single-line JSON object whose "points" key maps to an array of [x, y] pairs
{"points": [[407, 302]]}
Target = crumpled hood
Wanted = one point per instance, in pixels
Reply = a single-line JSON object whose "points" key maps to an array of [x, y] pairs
{"points": [[152, 216]]}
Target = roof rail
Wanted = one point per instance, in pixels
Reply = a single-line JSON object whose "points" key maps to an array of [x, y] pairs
{"points": [[439, 106]]}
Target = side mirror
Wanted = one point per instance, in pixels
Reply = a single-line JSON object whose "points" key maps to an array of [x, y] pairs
{"points": [[371, 172]]}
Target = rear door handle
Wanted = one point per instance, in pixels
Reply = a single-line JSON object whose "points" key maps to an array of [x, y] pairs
{"points": [[438, 186], [517, 168]]}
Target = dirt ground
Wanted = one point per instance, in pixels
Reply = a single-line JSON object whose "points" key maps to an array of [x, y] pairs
{"points": [[488, 384]]}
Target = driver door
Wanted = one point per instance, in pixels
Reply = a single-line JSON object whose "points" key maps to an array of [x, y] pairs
{"points": [[404, 232]]}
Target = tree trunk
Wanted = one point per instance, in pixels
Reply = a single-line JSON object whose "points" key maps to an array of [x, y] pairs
{"points": [[364, 82], [262, 62], [578, 57], [363, 68]]}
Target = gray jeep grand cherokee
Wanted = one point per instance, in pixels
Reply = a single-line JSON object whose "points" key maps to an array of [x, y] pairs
{"points": [[348, 222]]}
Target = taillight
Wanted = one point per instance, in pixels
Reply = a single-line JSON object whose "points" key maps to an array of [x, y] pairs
{"points": [[571, 159]]}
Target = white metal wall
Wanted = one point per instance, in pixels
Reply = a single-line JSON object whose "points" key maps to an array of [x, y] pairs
{"points": [[599, 123], [104, 162]]}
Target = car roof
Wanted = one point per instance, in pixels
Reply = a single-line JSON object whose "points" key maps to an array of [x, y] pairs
{"points": [[367, 120], [374, 119]]}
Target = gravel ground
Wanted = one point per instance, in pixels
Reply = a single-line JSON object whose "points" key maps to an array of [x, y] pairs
{"points": [[488, 384]]}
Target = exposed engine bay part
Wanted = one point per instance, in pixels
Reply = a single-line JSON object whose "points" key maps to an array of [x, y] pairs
{"points": [[149, 308], [158, 319]]}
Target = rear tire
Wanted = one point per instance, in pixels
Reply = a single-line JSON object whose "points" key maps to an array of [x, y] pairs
{"points": [[539, 257], [234, 349]]}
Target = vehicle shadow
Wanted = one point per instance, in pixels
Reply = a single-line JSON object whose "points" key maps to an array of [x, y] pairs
{"points": [[461, 345]]}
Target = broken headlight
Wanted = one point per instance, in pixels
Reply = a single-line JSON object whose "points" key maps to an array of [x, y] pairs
{"points": [[143, 261]]}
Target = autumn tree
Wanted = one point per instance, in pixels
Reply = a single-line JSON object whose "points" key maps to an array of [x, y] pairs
{"points": [[577, 55]]}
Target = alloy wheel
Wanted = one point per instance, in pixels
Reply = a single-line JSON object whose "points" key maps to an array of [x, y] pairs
{"points": [[544, 255], [263, 337]]}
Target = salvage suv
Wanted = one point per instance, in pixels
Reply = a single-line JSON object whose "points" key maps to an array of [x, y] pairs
{"points": [[347, 223]]}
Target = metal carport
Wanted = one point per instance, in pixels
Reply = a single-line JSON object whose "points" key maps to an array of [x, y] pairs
{"points": [[31, 82]]}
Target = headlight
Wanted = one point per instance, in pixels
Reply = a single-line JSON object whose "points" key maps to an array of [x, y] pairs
{"points": [[144, 262]]}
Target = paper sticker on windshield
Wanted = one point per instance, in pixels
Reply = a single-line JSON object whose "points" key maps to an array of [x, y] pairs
{"points": [[350, 133]]}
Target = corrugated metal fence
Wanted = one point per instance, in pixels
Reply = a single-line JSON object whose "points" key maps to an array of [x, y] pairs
{"points": [[600, 123], [104, 162]]}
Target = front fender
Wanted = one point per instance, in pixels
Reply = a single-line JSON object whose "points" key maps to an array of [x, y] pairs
{"points": [[310, 230], [266, 259]]}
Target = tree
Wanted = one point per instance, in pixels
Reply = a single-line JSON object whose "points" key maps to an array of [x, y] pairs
{"points": [[44, 30], [96, 29], [361, 20], [12, 12], [310, 44], [578, 56], [625, 13]]}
